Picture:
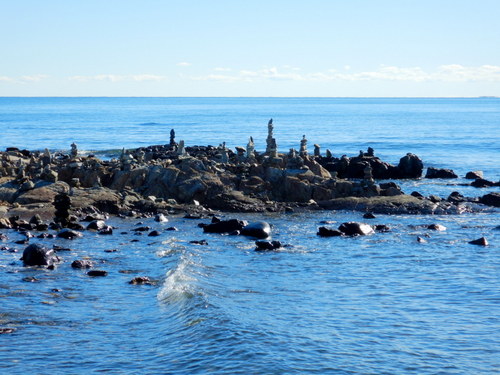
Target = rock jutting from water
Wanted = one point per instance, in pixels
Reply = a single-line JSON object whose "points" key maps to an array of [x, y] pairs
{"points": [[174, 177]]}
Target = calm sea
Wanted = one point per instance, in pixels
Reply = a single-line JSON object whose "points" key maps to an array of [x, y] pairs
{"points": [[381, 304]]}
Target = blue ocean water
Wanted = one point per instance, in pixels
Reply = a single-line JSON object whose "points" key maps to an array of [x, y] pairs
{"points": [[380, 304]]}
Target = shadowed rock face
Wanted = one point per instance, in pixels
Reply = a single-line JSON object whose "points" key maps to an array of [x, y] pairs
{"points": [[38, 255]]}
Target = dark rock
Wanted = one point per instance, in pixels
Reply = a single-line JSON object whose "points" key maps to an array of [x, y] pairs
{"points": [[69, 234], [410, 166], [474, 175], [369, 215], [106, 230], [30, 279], [96, 225], [75, 226], [267, 245], [141, 229], [382, 228], [416, 194], [328, 232], [154, 233], [38, 255], [440, 173], [455, 197], [353, 228], [36, 220], [172, 229], [140, 280], [491, 199], [82, 263], [199, 242], [435, 198], [226, 226], [421, 240], [97, 273], [437, 227], [260, 229], [60, 248], [480, 241], [161, 218], [481, 183], [4, 331]]}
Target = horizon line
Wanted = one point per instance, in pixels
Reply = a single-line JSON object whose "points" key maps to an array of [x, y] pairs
{"points": [[243, 97]]}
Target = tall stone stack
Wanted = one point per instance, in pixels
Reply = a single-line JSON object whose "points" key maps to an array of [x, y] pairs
{"points": [[62, 204], [271, 146]]}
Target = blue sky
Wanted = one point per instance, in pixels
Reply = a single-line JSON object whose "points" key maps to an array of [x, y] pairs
{"points": [[249, 48]]}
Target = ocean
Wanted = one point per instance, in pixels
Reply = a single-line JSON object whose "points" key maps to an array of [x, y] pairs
{"points": [[379, 304]]}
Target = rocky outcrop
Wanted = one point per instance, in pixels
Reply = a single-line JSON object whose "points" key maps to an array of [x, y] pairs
{"points": [[440, 173]]}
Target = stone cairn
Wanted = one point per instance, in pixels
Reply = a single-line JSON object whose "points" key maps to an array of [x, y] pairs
{"points": [[62, 204], [303, 146], [172, 138], [271, 146], [250, 149], [74, 150]]}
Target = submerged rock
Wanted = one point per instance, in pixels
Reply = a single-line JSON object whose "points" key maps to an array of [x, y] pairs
{"points": [[140, 280], [82, 263], [97, 273], [437, 227]]}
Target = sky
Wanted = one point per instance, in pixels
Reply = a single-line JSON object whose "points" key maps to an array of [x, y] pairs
{"points": [[313, 48]]}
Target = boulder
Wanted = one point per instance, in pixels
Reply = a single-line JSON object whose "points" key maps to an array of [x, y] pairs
{"points": [[474, 175], [161, 218], [440, 173], [480, 241], [154, 233], [491, 199], [329, 232], [481, 183], [82, 263], [96, 225], [97, 273], [106, 230], [437, 227], [225, 226], [353, 228], [39, 255], [69, 234], [267, 245], [260, 229], [410, 166]]}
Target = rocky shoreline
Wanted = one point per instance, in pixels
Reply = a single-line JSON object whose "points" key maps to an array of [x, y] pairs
{"points": [[173, 178]]}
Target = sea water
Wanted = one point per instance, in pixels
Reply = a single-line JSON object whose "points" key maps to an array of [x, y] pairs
{"points": [[383, 303]]}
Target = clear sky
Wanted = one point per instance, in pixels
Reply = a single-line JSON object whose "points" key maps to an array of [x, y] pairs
{"points": [[249, 47]]}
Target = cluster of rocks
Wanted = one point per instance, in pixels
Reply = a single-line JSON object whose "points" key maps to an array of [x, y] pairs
{"points": [[168, 177]]}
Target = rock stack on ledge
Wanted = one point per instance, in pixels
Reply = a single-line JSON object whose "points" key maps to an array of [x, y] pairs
{"points": [[166, 178]]}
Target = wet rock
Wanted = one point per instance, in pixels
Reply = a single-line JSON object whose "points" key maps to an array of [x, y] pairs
{"points": [[173, 229], [260, 229], [82, 263], [329, 232], [3, 237], [140, 280], [382, 228], [141, 229], [474, 175], [263, 245], [480, 241], [107, 230], [4, 331], [30, 279], [199, 242], [410, 166], [161, 218], [353, 228], [69, 234], [437, 227], [455, 197], [225, 226], [36, 220], [440, 173], [115, 250], [369, 215], [421, 240], [38, 255], [97, 273], [154, 233], [481, 183], [491, 199], [96, 225]]}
